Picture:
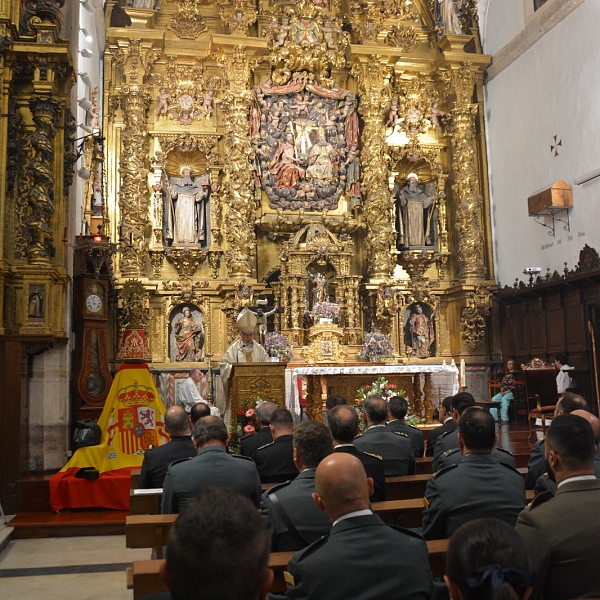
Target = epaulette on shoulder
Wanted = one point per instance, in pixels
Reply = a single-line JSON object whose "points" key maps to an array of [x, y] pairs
{"points": [[277, 487], [539, 500], [401, 433], [444, 470], [265, 446], [242, 456], [445, 434], [510, 467], [374, 455], [452, 451], [504, 450], [358, 436]]}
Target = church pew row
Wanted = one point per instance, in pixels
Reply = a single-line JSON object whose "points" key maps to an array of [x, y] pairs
{"points": [[152, 531], [423, 467], [144, 576], [397, 488]]}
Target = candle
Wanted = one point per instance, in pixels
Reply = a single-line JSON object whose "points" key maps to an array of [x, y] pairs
{"points": [[444, 363], [453, 364], [463, 381]]}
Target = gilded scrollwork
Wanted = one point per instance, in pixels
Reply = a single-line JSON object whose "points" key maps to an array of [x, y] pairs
{"points": [[37, 184], [135, 306], [237, 15], [375, 93], [34, 12], [305, 39], [187, 22], [186, 260], [15, 143], [70, 156], [402, 36], [134, 195], [238, 198], [474, 315], [467, 196]]}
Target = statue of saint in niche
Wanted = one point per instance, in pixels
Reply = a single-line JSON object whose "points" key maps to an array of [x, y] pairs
{"points": [[447, 17], [188, 336], [415, 208], [419, 331], [184, 217]]}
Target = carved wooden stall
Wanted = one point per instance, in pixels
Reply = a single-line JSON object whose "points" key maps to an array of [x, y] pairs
{"points": [[556, 313]]}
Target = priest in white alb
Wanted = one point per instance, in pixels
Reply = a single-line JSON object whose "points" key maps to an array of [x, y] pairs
{"points": [[244, 349]]}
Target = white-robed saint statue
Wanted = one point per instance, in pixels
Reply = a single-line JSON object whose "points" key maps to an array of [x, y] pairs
{"points": [[244, 349], [185, 210]]}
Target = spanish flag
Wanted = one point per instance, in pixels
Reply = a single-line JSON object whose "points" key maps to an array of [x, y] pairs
{"points": [[132, 421]]}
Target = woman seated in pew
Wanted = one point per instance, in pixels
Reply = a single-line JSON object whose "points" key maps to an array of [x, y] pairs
{"points": [[505, 396], [487, 560]]}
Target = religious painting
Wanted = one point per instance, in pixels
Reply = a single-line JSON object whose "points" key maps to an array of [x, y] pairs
{"points": [[305, 139], [419, 330], [326, 348], [186, 339], [35, 303]]}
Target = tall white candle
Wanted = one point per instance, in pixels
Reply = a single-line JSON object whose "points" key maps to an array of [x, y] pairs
{"points": [[463, 379]]}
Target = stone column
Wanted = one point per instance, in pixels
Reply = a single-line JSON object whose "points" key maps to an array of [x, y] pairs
{"points": [[134, 195], [374, 90], [467, 197]]}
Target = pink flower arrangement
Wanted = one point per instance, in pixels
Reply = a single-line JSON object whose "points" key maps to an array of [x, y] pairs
{"points": [[249, 429], [250, 413]]}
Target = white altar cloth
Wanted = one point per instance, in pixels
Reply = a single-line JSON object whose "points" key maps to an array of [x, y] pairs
{"points": [[444, 378]]}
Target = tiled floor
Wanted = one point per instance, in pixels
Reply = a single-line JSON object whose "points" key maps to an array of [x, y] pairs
{"points": [[82, 568]]}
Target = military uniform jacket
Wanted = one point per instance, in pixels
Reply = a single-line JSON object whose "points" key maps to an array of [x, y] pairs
{"points": [[415, 435], [252, 443], [536, 466], [157, 460], [394, 448], [211, 467], [545, 484], [373, 466], [476, 488], [446, 441], [454, 456], [275, 461], [296, 499], [562, 537], [361, 559], [434, 434]]}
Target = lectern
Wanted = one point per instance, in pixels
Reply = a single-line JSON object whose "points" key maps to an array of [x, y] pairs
{"points": [[251, 380]]}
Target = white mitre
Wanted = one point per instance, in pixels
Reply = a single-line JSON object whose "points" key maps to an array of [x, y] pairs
{"points": [[412, 175], [246, 321]]}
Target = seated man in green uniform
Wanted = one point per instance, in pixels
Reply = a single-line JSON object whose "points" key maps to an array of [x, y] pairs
{"points": [[475, 488]]}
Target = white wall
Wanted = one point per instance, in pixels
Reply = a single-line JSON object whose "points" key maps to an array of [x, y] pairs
{"points": [[500, 22], [552, 89]]}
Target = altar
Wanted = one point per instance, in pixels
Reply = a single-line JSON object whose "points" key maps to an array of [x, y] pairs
{"points": [[426, 385]]}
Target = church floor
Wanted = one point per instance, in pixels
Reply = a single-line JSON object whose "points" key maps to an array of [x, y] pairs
{"points": [[73, 568]]}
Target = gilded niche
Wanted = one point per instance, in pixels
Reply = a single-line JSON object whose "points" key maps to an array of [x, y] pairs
{"points": [[305, 139]]}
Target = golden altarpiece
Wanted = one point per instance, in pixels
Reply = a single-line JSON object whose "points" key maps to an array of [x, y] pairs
{"points": [[299, 152]]}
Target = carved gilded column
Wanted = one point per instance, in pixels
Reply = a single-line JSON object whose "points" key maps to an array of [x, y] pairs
{"points": [[134, 196], [238, 197], [467, 197], [374, 90], [37, 185]]}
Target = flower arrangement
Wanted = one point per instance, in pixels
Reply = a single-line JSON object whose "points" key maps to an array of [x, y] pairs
{"points": [[381, 387], [325, 310], [277, 345], [377, 347], [246, 422]]}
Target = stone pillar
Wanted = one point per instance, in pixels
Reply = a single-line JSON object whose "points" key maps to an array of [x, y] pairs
{"points": [[373, 77]]}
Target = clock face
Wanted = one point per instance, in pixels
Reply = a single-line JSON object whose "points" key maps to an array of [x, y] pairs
{"points": [[93, 303]]}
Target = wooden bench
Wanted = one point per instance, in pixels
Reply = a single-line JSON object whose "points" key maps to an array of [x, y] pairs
{"points": [[135, 478], [144, 578], [152, 531]]}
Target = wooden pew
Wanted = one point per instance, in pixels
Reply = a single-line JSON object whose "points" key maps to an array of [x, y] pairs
{"points": [[144, 504], [146, 573], [135, 478]]}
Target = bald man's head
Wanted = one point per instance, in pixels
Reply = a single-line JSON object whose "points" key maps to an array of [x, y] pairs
{"points": [[593, 420], [176, 421], [342, 485]]}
